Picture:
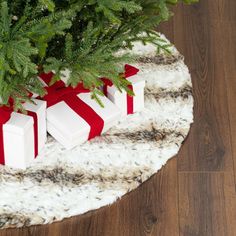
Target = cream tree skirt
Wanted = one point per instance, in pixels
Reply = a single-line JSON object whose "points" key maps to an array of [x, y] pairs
{"points": [[67, 183]]}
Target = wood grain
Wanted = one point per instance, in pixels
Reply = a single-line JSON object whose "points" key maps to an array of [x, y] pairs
{"points": [[194, 194], [209, 142], [202, 204], [229, 53]]}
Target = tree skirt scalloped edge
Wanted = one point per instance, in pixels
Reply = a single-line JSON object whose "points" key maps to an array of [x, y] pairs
{"points": [[62, 183]]}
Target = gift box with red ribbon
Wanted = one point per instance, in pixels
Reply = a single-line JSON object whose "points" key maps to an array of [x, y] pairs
{"points": [[22, 136], [73, 117], [126, 103]]}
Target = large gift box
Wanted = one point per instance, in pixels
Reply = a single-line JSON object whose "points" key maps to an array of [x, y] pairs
{"points": [[22, 136], [73, 117], [126, 103]]}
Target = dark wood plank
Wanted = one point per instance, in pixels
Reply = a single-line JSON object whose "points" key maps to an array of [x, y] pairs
{"points": [[230, 203], [229, 53], [143, 217], [221, 10], [209, 143], [202, 204], [167, 28]]}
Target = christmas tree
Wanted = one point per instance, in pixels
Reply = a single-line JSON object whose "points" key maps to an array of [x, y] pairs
{"points": [[81, 36]]}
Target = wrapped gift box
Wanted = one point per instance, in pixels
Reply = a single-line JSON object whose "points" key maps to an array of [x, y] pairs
{"points": [[39, 107], [127, 104], [73, 117], [70, 129], [23, 136]]}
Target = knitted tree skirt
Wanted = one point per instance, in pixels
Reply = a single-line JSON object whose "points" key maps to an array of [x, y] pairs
{"points": [[64, 183]]}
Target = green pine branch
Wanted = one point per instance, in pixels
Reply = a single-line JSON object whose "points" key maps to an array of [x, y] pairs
{"points": [[82, 36]]}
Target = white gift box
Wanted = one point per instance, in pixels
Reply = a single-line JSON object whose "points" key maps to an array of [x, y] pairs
{"points": [[69, 129], [18, 135], [120, 98]]}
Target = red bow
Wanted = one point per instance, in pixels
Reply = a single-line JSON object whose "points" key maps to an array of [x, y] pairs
{"points": [[129, 71], [59, 92], [5, 114]]}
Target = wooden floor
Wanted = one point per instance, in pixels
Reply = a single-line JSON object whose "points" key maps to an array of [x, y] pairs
{"points": [[194, 195]]}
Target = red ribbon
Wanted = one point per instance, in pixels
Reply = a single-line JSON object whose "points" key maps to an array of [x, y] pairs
{"points": [[35, 118], [5, 115], [59, 92], [129, 71]]}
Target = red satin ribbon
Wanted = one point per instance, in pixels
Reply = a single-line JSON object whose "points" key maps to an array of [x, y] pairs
{"points": [[129, 71], [87, 113], [35, 118], [130, 101], [107, 83], [5, 115], [59, 92]]}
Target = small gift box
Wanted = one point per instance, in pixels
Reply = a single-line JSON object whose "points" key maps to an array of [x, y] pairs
{"points": [[73, 117], [126, 103], [22, 136]]}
